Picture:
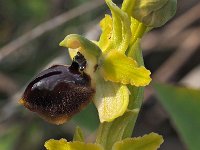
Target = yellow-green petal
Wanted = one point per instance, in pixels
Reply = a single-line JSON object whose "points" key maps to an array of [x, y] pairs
{"points": [[62, 144], [117, 67], [106, 27], [111, 99], [151, 141], [121, 32]]}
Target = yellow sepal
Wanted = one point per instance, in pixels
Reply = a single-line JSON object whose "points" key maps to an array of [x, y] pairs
{"points": [[62, 144]]}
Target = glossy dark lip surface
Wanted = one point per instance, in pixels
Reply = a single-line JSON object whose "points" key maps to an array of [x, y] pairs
{"points": [[58, 92]]}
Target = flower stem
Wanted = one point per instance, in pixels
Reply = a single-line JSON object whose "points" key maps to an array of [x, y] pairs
{"points": [[141, 29], [122, 127]]}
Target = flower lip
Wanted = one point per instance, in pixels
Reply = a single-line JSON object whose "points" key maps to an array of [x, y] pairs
{"points": [[59, 92]]}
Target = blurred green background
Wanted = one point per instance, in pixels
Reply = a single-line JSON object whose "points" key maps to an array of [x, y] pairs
{"points": [[29, 35]]}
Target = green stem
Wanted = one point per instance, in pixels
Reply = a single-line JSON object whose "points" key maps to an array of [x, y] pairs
{"points": [[122, 127], [141, 29], [137, 93], [111, 132]]}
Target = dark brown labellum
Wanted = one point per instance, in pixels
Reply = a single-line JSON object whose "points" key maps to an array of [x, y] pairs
{"points": [[58, 93]]}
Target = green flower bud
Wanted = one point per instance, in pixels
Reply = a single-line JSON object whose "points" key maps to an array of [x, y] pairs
{"points": [[154, 13]]}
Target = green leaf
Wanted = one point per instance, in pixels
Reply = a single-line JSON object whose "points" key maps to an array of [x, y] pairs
{"points": [[78, 135], [183, 106], [62, 144], [121, 32], [110, 132], [151, 141], [111, 99], [117, 67]]}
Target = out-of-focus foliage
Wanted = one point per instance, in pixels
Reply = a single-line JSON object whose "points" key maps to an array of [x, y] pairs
{"points": [[8, 138], [18, 17], [20, 14], [92, 121], [183, 106]]}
